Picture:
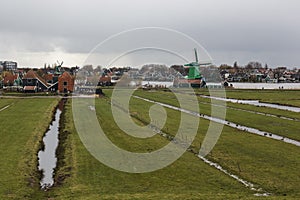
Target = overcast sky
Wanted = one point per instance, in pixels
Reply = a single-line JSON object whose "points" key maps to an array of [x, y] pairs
{"points": [[34, 32]]}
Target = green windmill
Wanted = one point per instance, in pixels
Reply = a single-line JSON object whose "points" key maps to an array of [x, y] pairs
{"points": [[194, 71]]}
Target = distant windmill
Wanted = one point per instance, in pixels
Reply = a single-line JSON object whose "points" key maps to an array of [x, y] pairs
{"points": [[194, 72], [58, 67], [194, 78]]}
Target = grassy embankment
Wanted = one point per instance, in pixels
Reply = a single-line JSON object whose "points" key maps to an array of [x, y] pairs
{"points": [[271, 165], [274, 125], [21, 129]]}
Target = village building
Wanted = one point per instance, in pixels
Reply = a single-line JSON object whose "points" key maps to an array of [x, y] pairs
{"points": [[65, 83], [62, 83], [105, 81], [9, 79], [32, 82], [9, 65]]}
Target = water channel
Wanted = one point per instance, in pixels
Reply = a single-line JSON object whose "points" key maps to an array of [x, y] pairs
{"points": [[228, 123], [255, 103], [47, 155]]}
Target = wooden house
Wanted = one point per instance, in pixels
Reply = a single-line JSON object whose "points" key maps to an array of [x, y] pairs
{"points": [[32, 82]]}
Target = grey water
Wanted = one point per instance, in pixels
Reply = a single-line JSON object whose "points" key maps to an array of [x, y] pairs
{"points": [[255, 103], [47, 157], [272, 86], [254, 112]]}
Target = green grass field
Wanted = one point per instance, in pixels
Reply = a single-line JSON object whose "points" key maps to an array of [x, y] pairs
{"points": [[237, 148], [187, 178], [274, 125], [22, 127], [270, 165]]}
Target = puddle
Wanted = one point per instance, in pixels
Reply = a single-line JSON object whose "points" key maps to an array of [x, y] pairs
{"points": [[227, 123], [47, 157], [92, 108], [254, 112], [255, 103], [252, 130], [249, 111]]}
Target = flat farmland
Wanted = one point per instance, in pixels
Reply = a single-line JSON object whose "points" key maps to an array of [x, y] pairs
{"points": [[270, 165], [267, 166], [22, 126]]}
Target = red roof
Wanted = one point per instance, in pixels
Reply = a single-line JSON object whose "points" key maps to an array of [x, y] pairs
{"points": [[29, 88], [9, 78], [30, 75], [48, 77], [194, 81], [65, 75], [105, 79]]}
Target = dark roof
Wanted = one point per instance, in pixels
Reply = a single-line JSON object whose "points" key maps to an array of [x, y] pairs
{"points": [[33, 75]]}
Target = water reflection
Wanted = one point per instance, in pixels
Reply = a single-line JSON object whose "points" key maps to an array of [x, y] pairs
{"points": [[47, 157]]}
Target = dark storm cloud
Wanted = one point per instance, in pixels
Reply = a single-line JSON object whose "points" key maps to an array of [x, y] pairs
{"points": [[266, 30]]}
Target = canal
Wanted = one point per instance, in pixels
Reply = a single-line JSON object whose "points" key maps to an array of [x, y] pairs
{"points": [[47, 155]]}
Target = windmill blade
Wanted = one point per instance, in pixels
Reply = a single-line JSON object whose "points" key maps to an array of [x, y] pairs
{"points": [[196, 55], [60, 63], [205, 63]]}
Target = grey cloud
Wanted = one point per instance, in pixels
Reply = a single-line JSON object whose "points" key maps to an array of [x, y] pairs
{"points": [[224, 27]]}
